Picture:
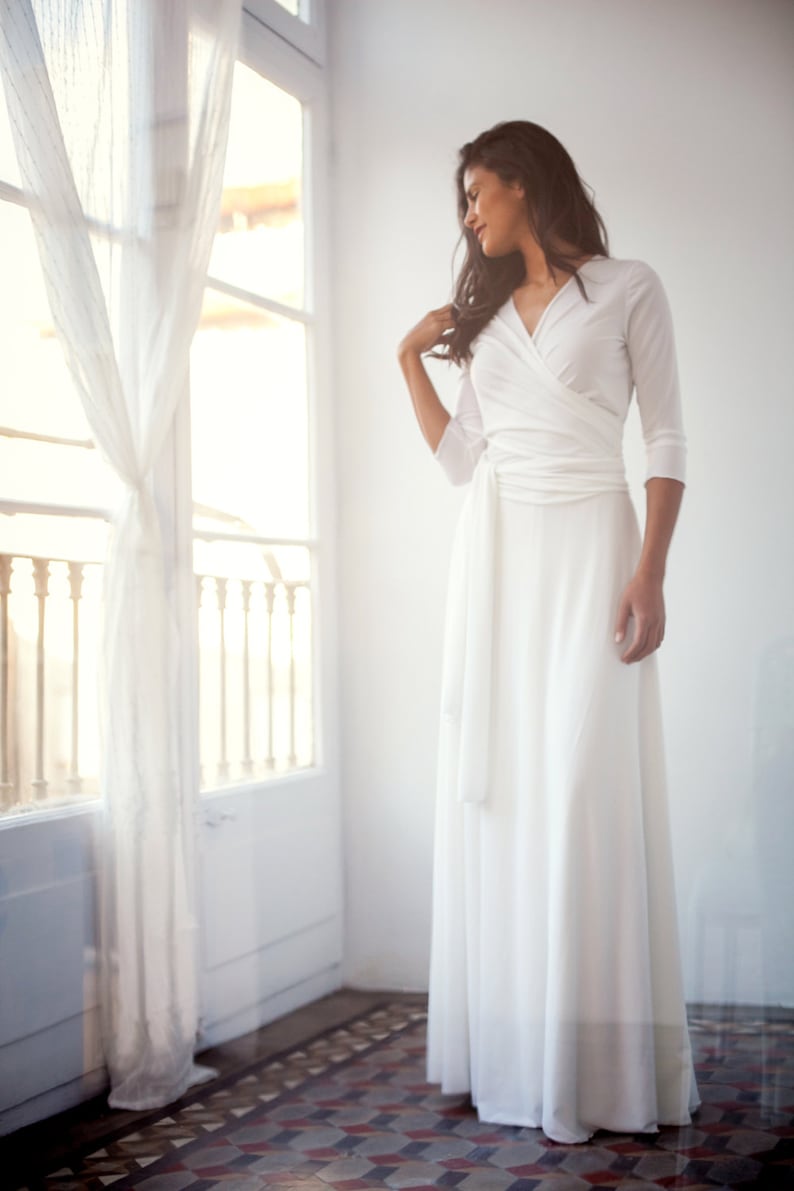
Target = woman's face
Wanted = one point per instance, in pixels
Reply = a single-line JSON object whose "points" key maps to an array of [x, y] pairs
{"points": [[495, 209]]}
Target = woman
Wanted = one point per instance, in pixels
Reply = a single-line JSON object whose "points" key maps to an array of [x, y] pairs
{"points": [[555, 987]]}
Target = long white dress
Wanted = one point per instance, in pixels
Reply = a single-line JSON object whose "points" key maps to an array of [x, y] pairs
{"points": [[555, 991]]}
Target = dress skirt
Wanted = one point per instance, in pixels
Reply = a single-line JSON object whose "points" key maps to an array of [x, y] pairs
{"points": [[555, 993]]}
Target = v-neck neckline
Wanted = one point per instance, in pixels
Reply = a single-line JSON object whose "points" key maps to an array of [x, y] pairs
{"points": [[531, 334]]}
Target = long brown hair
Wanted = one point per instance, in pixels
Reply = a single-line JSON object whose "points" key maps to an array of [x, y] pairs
{"points": [[558, 209]]}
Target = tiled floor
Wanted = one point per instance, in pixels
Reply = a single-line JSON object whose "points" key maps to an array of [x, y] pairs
{"points": [[343, 1104], [44, 1145]]}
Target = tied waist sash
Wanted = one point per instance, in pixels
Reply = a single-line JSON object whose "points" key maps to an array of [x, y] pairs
{"points": [[566, 448]]}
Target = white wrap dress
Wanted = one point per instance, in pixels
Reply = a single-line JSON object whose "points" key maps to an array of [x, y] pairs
{"points": [[555, 990]]}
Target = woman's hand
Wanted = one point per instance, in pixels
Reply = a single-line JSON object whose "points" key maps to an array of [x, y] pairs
{"points": [[643, 599], [428, 331]]}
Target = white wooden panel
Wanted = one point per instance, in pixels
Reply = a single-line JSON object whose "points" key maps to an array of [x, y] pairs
{"points": [[271, 868], [47, 945], [54, 1100], [32, 1065], [247, 983]]}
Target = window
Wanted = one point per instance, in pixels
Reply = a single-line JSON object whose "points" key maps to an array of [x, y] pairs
{"points": [[55, 489], [250, 459], [247, 434]]}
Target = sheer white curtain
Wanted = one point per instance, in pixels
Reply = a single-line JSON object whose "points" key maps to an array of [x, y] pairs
{"points": [[120, 116]]}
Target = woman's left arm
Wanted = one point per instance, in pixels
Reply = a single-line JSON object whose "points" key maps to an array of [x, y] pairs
{"points": [[643, 598], [650, 342]]}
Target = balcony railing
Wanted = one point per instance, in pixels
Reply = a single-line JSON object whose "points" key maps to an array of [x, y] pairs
{"points": [[255, 677], [41, 602], [255, 688]]}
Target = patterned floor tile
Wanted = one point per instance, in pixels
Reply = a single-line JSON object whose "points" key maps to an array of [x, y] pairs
{"points": [[351, 1111]]}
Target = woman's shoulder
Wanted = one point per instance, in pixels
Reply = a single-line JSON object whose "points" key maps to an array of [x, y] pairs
{"points": [[617, 268], [628, 279]]}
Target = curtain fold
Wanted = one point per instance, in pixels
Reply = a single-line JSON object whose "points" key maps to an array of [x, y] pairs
{"points": [[120, 117]]}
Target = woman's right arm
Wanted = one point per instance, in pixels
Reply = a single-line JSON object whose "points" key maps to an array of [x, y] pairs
{"points": [[456, 441], [430, 413]]}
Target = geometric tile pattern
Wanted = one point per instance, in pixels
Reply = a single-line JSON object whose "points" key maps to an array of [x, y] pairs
{"points": [[350, 1110]]}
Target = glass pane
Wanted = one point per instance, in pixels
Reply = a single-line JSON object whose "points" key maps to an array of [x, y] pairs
{"points": [[38, 397], [251, 560], [77, 539], [49, 473], [9, 170], [54, 564], [297, 8], [260, 242], [249, 420], [255, 661]]}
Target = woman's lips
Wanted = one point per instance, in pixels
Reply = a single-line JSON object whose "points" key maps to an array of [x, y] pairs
{"points": [[480, 231]]}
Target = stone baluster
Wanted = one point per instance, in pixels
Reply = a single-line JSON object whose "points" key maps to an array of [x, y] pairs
{"points": [[247, 761], [199, 596], [270, 595], [41, 572], [74, 781], [289, 588], [6, 785], [223, 760]]}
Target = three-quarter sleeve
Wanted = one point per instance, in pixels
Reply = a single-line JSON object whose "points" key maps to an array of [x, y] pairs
{"points": [[654, 367], [463, 440]]}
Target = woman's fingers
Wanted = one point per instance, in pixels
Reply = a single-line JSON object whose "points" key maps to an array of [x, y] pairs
{"points": [[430, 330], [639, 641], [622, 621], [647, 638], [641, 600], [445, 317]]}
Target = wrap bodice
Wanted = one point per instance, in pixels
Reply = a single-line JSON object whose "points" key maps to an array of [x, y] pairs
{"points": [[545, 443]]}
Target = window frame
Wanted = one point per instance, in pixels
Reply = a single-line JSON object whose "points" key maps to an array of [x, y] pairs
{"points": [[264, 50], [307, 36]]}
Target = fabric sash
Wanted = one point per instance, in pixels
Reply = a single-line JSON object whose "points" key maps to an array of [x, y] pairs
{"points": [[545, 444]]}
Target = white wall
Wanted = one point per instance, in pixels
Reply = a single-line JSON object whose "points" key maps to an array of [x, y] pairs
{"points": [[679, 115]]}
